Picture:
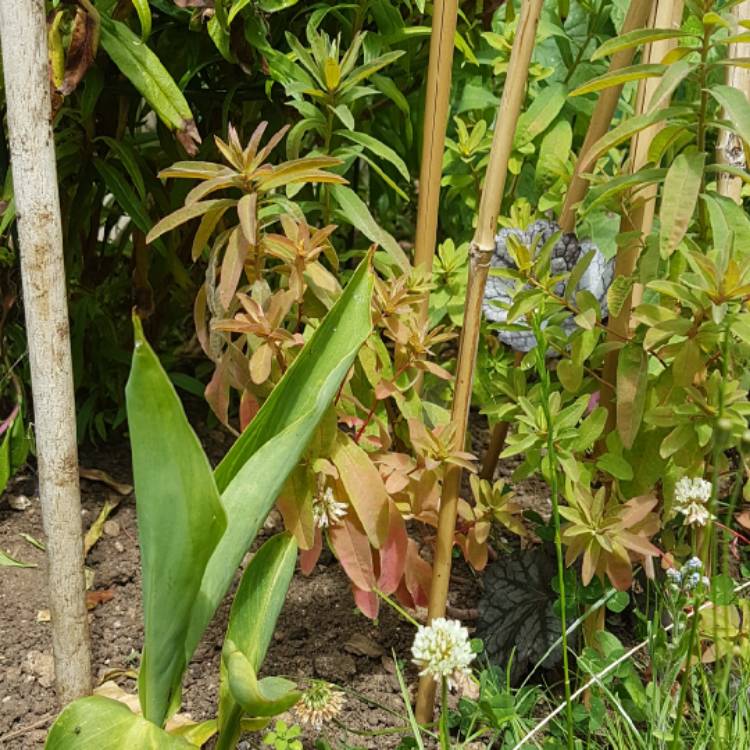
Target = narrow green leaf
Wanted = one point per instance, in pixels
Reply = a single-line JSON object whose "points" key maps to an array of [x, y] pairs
{"points": [[540, 115], [180, 522], [737, 108], [143, 10], [130, 203], [627, 129], [358, 215], [146, 72], [6, 561], [673, 77], [632, 377], [378, 148], [185, 213], [637, 38], [679, 198], [619, 77]]}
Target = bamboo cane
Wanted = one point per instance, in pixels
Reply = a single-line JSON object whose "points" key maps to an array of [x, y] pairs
{"points": [[729, 148], [666, 14], [601, 119], [23, 31], [436, 104], [482, 247]]}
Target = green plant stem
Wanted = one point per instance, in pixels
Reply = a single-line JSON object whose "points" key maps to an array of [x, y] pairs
{"points": [[396, 606], [702, 110], [686, 677], [445, 739], [541, 349]]}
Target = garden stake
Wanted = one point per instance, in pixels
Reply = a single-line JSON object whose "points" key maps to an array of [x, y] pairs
{"points": [[436, 105], [482, 247], [601, 119], [23, 30], [666, 14], [729, 148], [636, 18]]}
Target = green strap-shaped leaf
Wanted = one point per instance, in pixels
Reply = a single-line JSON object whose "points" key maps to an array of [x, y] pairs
{"points": [[180, 522], [98, 723], [143, 10], [254, 470], [255, 609], [681, 188]]}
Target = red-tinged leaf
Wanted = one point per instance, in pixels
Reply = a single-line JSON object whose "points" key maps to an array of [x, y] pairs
{"points": [[364, 488], [247, 210], [743, 519], [619, 572], [95, 598], [367, 601], [476, 552], [638, 544], [217, 392], [260, 364], [384, 389], [295, 503], [308, 558], [436, 370], [201, 321], [417, 575], [249, 407], [636, 509], [231, 267], [353, 551], [393, 552]]}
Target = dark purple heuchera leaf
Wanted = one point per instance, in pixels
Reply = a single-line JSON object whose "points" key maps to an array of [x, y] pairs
{"points": [[516, 612]]}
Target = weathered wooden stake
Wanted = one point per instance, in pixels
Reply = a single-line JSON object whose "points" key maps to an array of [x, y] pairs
{"points": [[23, 32]]}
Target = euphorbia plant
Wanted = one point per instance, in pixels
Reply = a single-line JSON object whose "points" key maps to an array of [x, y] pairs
{"points": [[195, 526]]}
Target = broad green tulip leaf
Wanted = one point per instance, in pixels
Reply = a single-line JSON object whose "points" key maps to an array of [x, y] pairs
{"points": [[681, 188], [255, 469], [270, 696], [180, 522], [252, 620], [98, 723]]}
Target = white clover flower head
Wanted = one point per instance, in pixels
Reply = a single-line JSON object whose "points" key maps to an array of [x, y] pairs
{"points": [[442, 650], [320, 703], [691, 498], [327, 511]]}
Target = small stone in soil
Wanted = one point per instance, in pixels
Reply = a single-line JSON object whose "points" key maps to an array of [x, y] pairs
{"points": [[336, 668]]}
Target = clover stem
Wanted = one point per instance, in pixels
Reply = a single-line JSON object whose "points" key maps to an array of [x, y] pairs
{"points": [[543, 372]]}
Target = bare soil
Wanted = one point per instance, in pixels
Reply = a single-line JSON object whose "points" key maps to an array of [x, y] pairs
{"points": [[320, 632]]}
